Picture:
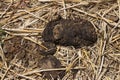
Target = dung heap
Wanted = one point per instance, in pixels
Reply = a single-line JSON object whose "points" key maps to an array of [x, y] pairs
{"points": [[68, 32], [51, 62]]}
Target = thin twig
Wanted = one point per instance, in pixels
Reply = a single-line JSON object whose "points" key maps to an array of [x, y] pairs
{"points": [[65, 12], [6, 9], [36, 42], [3, 56], [33, 15], [6, 73], [47, 70]]}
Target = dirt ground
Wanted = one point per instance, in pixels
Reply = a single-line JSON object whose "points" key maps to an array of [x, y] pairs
{"points": [[23, 55]]}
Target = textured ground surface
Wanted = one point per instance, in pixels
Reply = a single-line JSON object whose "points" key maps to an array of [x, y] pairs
{"points": [[21, 51]]}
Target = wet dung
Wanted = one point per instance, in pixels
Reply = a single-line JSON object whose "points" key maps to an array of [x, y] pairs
{"points": [[50, 62], [68, 32]]}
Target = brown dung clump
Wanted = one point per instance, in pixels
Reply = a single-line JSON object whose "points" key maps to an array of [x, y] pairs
{"points": [[51, 62], [68, 32]]}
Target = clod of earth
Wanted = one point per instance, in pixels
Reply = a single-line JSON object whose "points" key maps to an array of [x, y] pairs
{"points": [[68, 32], [51, 62]]}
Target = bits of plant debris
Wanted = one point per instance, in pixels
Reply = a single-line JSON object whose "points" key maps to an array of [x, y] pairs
{"points": [[49, 48], [51, 62], [68, 32], [11, 47], [21, 47], [112, 17]]}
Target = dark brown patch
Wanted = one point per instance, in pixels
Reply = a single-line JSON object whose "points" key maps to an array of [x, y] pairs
{"points": [[50, 62], [67, 32], [51, 48], [12, 47], [26, 50]]}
